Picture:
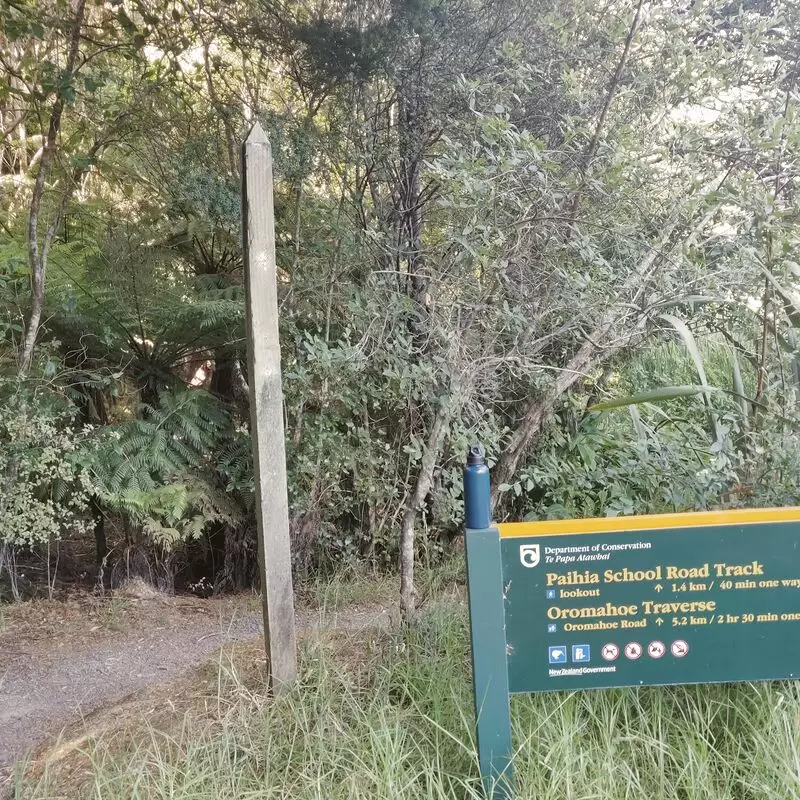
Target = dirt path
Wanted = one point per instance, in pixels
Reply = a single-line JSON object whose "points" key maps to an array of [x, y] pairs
{"points": [[60, 662]]}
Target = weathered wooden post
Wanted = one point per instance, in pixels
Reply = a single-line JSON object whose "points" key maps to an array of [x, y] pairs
{"points": [[266, 409]]}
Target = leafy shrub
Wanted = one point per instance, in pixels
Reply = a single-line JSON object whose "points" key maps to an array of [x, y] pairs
{"points": [[159, 470], [45, 488]]}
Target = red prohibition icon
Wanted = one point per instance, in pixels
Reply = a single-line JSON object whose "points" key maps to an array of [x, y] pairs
{"points": [[633, 650], [610, 652], [679, 648], [656, 649]]}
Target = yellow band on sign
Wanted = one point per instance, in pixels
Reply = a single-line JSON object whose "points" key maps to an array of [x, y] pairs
{"points": [[692, 519]]}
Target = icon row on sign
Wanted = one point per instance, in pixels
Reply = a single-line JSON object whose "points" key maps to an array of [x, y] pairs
{"points": [[581, 653], [633, 650]]}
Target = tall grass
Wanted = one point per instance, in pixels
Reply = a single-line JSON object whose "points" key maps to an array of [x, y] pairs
{"points": [[392, 719]]}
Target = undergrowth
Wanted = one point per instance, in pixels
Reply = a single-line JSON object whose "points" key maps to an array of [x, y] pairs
{"points": [[389, 715], [362, 587]]}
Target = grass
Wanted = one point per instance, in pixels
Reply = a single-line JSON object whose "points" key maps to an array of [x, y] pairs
{"points": [[343, 590], [111, 613], [389, 716], [357, 588]]}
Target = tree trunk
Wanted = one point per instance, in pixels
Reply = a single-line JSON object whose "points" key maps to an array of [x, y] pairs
{"points": [[422, 486], [228, 383], [409, 220], [38, 252], [538, 412], [409, 204], [101, 544], [596, 348], [594, 143], [761, 352]]}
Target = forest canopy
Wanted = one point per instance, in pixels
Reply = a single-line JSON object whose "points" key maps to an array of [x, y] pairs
{"points": [[568, 231]]}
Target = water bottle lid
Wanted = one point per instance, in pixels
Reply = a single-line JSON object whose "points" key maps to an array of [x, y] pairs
{"points": [[476, 454]]}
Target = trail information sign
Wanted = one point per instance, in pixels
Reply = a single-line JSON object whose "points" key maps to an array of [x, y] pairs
{"points": [[705, 597]]}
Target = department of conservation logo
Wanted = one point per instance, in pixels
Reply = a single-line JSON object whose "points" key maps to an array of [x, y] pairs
{"points": [[529, 555]]}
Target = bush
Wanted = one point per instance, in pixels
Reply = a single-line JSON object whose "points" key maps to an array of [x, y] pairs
{"points": [[45, 489]]}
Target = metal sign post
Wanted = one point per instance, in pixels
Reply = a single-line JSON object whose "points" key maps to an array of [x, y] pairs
{"points": [[708, 597]]}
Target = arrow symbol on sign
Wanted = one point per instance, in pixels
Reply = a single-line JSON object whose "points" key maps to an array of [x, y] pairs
{"points": [[659, 621], [658, 587]]}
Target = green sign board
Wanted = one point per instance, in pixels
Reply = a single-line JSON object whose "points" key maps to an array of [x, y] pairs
{"points": [[634, 601], [679, 605]]}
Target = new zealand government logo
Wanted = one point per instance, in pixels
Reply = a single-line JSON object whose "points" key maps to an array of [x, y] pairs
{"points": [[529, 555]]}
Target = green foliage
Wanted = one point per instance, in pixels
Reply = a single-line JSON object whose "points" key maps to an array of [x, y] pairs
{"points": [[172, 514], [158, 468], [490, 217], [165, 441], [126, 305], [653, 396], [610, 467], [45, 489]]}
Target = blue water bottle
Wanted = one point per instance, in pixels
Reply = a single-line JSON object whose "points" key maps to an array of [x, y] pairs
{"points": [[477, 511]]}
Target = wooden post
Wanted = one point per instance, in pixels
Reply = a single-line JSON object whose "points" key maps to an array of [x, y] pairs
{"points": [[266, 409]]}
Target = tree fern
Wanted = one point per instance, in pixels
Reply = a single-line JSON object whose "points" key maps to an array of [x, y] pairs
{"points": [[159, 469]]}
